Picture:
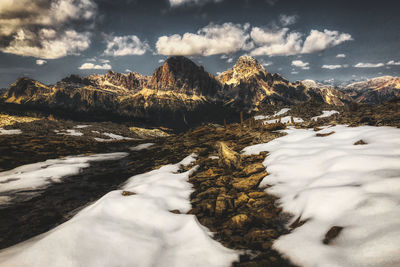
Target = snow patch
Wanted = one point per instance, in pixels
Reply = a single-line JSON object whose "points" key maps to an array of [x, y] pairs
{"points": [[40, 175], [112, 137], [141, 147], [9, 132], [285, 120], [333, 182], [134, 230], [81, 126], [70, 132], [278, 113], [325, 113]]}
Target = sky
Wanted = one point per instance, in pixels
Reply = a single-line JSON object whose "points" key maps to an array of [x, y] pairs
{"points": [[321, 40]]}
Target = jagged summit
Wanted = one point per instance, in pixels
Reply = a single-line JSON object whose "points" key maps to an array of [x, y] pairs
{"points": [[245, 68]]}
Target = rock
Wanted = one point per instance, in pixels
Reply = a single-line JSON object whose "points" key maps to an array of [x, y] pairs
{"points": [[257, 194], [332, 234], [242, 199], [213, 191], [222, 204], [127, 193], [239, 221], [253, 168], [360, 142], [227, 157], [175, 211], [324, 134], [250, 182]]}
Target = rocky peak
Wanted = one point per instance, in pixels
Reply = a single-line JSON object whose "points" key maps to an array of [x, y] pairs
{"points": [[129, 81], [26, 87], [180, 74], [245, 69]]}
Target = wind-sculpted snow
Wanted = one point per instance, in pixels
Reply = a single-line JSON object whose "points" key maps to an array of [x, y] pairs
{"points": [[28, 178], [329, 181], [134, 227]]}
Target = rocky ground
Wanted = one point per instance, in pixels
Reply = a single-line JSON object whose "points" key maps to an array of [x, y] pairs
{"points": [[227, 198]]}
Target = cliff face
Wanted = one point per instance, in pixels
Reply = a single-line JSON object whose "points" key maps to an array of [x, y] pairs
{"points": [[178, 93], [181, 75]]}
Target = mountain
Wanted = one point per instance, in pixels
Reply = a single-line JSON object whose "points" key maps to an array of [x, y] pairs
{"points": [[252, 87], [374, 91], [178, 94]]}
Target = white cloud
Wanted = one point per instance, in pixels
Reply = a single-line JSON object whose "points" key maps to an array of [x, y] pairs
{"points": [[275, 43], [368, 65], [65, 43], [301, 64], [294, 72], [265, 63], [128, 70], [175, 3], [161, 60], [287, 20], [332, 67], [125, 45], [91, 66], [318, 41], [210, 40], [341, 55], [45, 28], [41, 62], [283, 42], [394, 63]]}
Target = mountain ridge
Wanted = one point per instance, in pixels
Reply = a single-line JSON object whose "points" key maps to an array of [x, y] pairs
{"points": [[179, 90]]}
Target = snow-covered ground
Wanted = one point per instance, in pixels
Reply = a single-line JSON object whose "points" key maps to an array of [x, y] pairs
{"points": [[81, 126], [131, 230], [8, 132], [40, 175], [141, 146], [325, 113], [328, 181]]}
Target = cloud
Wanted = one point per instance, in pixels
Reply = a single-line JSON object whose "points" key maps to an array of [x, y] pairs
{"points": [[45, 28], [128, 70], [210, 40], [40, 62], [393, 63], [287, 20], [341, 55], [176, 3], [91, 66], [369, 65], [125, 46], [331, 67], [283, 42], [275, 43], [161, 60], [318, 41], [294, 72], [301, 64]]}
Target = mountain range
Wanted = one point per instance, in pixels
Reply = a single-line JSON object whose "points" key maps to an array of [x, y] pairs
{"points": [[180, 93]]}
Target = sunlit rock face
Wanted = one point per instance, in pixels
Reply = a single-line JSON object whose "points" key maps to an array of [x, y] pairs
{"points": [[374, 91]]}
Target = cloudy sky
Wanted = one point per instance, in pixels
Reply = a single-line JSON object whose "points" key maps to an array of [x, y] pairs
{"points": [[50, 39]]}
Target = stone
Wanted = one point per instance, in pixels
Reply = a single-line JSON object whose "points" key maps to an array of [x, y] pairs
{"points": [[127, 193], [360, 142], [257, 194], [324, 134], [240, 220], [253, 168], [242, 199], [251, 182], [227, 157], [222, 204], [332, 234]]}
